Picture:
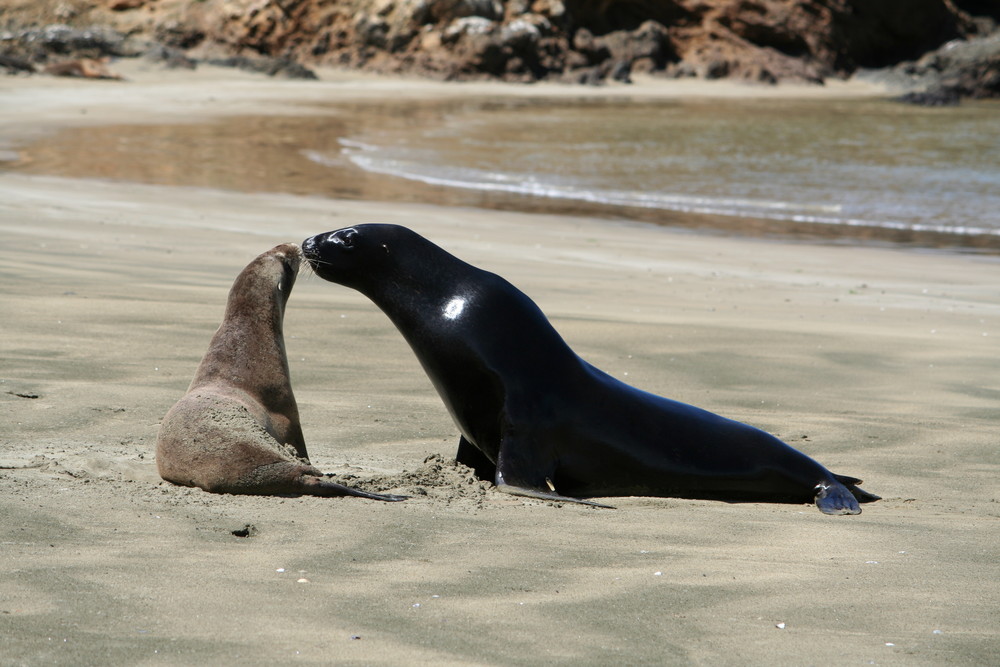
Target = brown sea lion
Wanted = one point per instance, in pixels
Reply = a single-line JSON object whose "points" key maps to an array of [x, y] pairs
{"points": [[237, 429]]}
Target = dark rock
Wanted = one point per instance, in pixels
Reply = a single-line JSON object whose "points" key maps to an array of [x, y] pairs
{"points": [[984, 8], [62, 50], [125, 5], [650, 41], [875, 33], [16, 64], [169, 57], [594, 51], [372, 31], [522, 34], [931, 98], [179, 36], [682, 70], [590, 76], [449, 10], [716, 69], [959, 69], [606, 16], [278, 67], [622, 71], [91, 42]]}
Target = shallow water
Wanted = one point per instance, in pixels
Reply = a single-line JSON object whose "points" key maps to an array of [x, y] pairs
{"points": [[847, 170]]}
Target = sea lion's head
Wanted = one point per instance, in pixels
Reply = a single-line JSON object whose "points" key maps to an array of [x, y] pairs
{"points": [[270, 273], [354, 255]]}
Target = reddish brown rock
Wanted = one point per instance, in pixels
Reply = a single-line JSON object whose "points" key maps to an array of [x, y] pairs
{"points": [[125, 5], [758, 40], [525, 40], [85, 68]]}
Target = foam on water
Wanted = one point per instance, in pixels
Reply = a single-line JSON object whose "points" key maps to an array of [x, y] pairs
{"points": [[851, 169], [856, 164], [378, 160]]}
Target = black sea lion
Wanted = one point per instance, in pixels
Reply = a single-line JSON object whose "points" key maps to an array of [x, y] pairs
{"points": [[237, 429], [537, 419]]}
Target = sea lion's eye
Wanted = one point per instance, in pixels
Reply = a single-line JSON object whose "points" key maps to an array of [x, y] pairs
{"points": [[344, 238]]}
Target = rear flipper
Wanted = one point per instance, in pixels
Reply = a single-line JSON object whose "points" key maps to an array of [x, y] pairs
{"points": [[832, 497], [860, 494]]}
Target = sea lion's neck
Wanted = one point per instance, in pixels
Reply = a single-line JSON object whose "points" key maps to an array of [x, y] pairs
{"points": [[248, 345]]}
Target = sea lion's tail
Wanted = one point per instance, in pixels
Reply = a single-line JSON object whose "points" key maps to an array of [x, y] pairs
{"points": [[852, 485]]}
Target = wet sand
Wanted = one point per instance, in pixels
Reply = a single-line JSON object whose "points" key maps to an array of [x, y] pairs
{"points": [[881, 363], [304, 150]]}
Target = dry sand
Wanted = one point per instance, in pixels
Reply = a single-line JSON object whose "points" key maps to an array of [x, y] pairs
{"points": [[880, 363]]}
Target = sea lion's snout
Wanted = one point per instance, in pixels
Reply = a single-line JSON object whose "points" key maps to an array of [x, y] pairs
{"points": [[314, 246], [291, 255], [309, 249], [324, 252]]}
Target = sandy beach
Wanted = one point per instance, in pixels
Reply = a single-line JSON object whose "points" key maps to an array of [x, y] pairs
{"points": [[879, 362]]}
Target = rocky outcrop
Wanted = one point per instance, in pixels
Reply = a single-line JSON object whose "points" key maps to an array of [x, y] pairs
{"points": [[582, 40], [528, 40], [61, 50], [959, 69]]}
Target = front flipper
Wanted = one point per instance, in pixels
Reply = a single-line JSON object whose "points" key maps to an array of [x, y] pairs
{"points": [[546, 495], [470, 455], [524, 469]]}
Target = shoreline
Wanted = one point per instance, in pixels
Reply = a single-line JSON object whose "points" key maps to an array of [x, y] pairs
{"points": [[109, 134], [150, 94], [163, 95], [878, 362]]}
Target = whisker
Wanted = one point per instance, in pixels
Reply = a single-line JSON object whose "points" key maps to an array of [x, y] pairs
{"points": [[312, 263]]}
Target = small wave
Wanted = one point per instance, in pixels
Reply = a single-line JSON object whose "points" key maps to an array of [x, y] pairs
{"points": [[530, 185], [370, 158], [357, 145], [323, 158], [350, 147]]}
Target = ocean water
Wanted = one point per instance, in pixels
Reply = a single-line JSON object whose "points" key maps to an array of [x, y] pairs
{"points": [[865, 168], [842, 170]]}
